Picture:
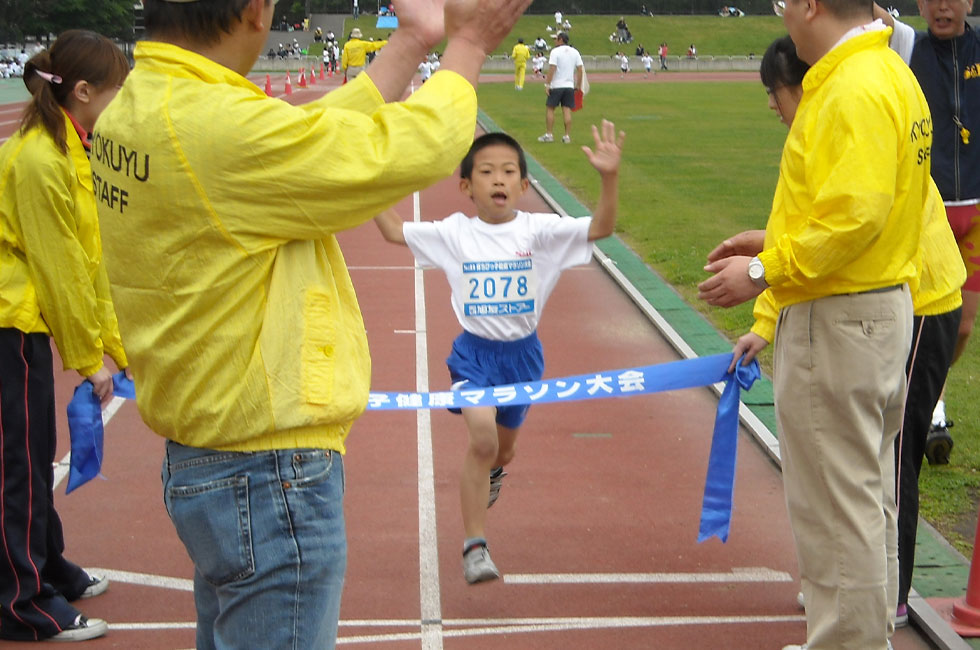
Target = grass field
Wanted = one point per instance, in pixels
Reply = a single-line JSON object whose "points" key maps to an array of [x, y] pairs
{"points": [[700, 163], [713, 35]]}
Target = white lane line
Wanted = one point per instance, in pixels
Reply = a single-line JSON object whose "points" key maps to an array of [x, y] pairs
{"points": [[460, 628], [734, 576], [146, 579], [430, 599], [62, 467]]}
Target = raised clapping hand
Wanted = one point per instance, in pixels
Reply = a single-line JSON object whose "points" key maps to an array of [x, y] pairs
{"points": [[608, 148], [423, 20]]}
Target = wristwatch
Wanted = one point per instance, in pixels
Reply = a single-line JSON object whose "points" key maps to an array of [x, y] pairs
{"points": [[757, 273]]}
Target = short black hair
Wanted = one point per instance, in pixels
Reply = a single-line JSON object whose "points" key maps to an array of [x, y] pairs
{"points": [[485, 140], [563, 37], [199, 22], [781, 66]]}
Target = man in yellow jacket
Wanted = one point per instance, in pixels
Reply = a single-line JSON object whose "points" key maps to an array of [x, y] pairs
{"points": [[237, 309], [354, 56], [841, 245], [520, 54]]}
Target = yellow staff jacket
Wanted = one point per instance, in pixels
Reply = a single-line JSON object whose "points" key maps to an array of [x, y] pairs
{"points": [[520, 54], [355, 52], [233, 297], [52, 280], [853, 180]]}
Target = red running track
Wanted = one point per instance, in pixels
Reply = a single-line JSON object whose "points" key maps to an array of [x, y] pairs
{"points": [[594, 531]]}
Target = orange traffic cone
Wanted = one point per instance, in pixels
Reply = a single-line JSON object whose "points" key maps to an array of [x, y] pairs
{"points": [[268, 85], [302, 78], [321, 72], [289, 84], [330, 69], [312, 76]]}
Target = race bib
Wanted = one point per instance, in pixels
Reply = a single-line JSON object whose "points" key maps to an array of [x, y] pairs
{"points": [[503, 288]]}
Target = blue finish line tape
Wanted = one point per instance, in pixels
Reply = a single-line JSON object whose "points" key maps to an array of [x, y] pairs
{"points": [[85, 416], [719, 486]]}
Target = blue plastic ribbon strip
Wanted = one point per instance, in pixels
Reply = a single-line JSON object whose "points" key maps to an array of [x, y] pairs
{"points": [[85, 416], [716, 508], [86, 431]]}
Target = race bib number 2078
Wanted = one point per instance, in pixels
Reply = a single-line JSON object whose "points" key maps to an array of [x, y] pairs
{"points": [[501, 288]]}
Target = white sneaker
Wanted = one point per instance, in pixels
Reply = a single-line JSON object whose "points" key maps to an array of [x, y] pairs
{"points": [[547, 137], [82, 629], [477, 565], [566, 139], [96, 586]]}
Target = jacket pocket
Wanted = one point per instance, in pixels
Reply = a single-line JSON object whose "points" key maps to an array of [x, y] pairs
{"points": [[318, 348]]}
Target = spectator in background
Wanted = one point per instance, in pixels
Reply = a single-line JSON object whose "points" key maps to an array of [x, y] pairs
{"points": [[692, 52], [565, 73], [520, 54], [354, 57], [622, 31], [541, 45], [662, 53]]}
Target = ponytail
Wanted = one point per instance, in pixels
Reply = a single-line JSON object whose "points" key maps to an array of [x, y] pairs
{"points": [[51, 76]]}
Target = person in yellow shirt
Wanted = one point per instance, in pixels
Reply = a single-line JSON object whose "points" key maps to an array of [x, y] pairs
{"points": [[354, 56], [936, 303], [53, 285], [238, 311], [841, 246], [520, 54]]}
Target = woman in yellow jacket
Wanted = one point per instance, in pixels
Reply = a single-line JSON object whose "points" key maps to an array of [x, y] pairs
{"points": [[52, 285]]}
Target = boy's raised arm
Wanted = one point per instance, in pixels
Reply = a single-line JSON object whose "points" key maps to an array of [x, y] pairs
{"points": [[390, 224], [605, 158]]}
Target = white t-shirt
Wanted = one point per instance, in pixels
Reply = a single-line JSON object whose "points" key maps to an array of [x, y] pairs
{"points": [[501, 274], [647, 61], [566, 59], [537, 63]]}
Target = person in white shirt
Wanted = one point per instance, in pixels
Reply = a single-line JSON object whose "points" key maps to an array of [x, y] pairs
{"points": [[501, 266], [624, 63], [647, 62], [565, 73], [558, 19], [425, 69], [537, 65]]}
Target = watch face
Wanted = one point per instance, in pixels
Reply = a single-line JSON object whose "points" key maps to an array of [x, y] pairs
{"points": [[756, 271]]}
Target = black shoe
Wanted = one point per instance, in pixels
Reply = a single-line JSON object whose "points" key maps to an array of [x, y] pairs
{"points": [[939, 443]]}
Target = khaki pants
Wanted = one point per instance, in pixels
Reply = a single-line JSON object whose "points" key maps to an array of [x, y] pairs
{"points": [[839, 384]]}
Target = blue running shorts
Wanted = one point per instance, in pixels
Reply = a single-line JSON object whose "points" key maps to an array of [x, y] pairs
{"points": [[476, 362]]}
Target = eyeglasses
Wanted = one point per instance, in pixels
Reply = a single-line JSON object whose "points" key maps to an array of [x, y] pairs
{"points": [[778, 7]]}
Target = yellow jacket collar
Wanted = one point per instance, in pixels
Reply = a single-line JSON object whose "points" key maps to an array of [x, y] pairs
{"points": [[175, 61], [825, 66]]}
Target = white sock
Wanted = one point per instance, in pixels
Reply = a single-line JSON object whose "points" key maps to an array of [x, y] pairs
{"points": [[939, 414]]}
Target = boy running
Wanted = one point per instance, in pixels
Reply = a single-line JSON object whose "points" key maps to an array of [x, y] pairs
{"points": [[501, 266]]}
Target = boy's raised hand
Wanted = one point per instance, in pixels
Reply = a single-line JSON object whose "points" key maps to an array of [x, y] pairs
{"points": [[608, 148]]}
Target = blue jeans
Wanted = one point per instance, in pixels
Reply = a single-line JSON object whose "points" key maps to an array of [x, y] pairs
{"points": [[265, 531]]}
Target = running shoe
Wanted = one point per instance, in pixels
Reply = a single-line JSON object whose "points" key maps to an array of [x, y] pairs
{"points": [[547, 137], [939, 443], [477, 565], [566, 139], [497, 475]]}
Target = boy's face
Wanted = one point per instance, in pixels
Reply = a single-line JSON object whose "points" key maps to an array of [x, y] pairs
{"points": [[496, 183], [946, 18]]}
